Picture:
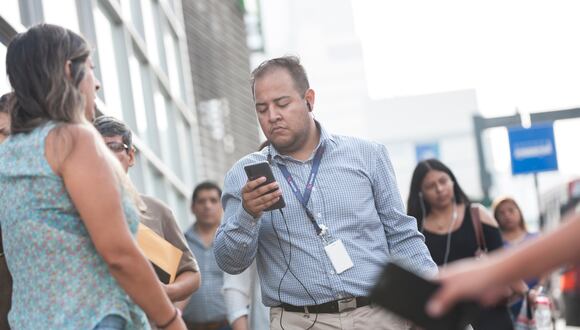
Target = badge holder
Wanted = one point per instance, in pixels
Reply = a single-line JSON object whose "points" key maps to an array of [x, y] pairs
{"points": [[335, 251]]}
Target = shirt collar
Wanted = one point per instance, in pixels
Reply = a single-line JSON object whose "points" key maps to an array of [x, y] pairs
{"points": [[325, 137]]}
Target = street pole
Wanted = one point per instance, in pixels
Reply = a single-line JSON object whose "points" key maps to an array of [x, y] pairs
{"points": [[538, 200]]}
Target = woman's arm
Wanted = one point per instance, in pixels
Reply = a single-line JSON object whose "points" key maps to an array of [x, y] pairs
{"points": [[89, 178]]}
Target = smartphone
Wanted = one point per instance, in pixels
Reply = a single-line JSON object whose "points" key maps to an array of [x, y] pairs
{"points": [[254, 171], [406, 294]]}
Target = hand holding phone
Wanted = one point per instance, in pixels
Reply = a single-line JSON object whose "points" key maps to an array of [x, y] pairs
{"points": [[407, 294], [265, 196]]}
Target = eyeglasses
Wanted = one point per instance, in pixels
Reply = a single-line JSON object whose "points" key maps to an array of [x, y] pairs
{"points": [[117, 147]]}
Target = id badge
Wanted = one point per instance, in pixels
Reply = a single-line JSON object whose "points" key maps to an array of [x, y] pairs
{"points": [[338, 256]]}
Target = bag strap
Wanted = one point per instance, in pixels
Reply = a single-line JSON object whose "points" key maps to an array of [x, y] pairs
{"points": [[478, 228]]}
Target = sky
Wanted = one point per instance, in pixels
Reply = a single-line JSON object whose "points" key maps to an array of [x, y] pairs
{"points": [[520, 54]]}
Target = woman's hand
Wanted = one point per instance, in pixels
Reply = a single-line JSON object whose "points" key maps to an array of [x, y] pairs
{"points": [[466, 280]]}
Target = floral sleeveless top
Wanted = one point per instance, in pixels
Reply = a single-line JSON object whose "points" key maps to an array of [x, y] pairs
{"points": [[59, 279]]}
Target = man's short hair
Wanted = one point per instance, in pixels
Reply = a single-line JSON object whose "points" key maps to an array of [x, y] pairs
{"points": [[5, 102], [111, 126], [290, 64], [206, 185]]}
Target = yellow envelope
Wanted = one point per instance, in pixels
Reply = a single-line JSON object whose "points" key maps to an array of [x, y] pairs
{"points": [[163, 255]]}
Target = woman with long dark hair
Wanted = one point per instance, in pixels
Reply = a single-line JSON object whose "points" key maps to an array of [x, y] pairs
{"points": [[67, 211], [444, 215]]}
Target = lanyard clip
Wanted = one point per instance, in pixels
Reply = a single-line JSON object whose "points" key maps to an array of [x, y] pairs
{"points": [[324, 235]]}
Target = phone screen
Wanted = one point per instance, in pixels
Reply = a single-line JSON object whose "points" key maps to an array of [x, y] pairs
{"points": [[262, 169]]}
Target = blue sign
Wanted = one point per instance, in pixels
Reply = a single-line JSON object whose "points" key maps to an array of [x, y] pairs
{"points": [[533, 149], [426, 151]]}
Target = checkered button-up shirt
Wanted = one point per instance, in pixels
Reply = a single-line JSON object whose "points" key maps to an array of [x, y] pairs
{"points": [[355, 195]]}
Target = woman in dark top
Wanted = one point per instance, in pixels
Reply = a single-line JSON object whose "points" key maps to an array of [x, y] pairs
{"points": [[443, 215]]}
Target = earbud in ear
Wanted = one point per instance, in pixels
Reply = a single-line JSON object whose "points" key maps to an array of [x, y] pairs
{"points": [[309, 106]]}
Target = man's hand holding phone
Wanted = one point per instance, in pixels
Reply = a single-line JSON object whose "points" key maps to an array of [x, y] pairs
{"points": [[257, 197]]}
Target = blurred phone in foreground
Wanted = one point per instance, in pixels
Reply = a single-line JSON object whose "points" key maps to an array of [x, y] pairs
{"points": [[406, 294]]}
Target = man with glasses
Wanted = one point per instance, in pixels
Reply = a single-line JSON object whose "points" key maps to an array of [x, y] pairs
{"points": [[157, 215]]}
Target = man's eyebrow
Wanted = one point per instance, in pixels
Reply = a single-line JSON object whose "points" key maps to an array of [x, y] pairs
{"points": [[274, 100], [281, 98]]}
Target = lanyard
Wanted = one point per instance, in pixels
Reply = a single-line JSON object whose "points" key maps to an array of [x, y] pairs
{"points": [[303, 199]]}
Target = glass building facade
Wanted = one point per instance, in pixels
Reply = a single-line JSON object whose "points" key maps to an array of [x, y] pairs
{"points": [[142, 62]]}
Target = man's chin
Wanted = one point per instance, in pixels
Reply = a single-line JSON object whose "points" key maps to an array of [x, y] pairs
{"points": [[281, 143]]}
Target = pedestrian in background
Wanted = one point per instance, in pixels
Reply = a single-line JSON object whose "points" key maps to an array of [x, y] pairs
{"points": [[445, 215], [514, 232], [206, 310], [156, 215], [67, 210]]}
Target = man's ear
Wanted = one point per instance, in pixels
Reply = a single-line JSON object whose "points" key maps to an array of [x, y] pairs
{"points": [[132, 156], [309, 98]]}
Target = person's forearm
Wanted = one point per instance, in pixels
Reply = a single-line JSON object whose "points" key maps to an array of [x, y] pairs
{"points": [[134, 273], [184, 285], [241, 323], [236, 241], [539, 256]]}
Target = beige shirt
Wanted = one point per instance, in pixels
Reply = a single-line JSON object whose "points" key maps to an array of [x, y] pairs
{"points": [[160, 219]]}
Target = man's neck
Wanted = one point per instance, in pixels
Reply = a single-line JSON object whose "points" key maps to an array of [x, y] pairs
{"points": [[206, 232], [205, 229], [304, 152]]}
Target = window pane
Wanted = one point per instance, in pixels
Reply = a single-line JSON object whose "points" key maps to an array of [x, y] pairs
{"points": [[136, 173], [138, 98], [152, 137], [107, 60], [132, 12], [63, 14], [159, 185], [161, 120], [153, 35], [173, 63], [11, 11], [4, 84], [173, 143], [184, 138]]}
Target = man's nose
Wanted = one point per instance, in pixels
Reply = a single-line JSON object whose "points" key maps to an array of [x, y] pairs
{"points": [[274, 114]]}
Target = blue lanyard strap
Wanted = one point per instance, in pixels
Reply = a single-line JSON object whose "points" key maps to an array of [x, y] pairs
{"points": [[304, 198]]}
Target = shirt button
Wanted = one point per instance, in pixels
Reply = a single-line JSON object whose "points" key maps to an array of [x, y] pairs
{"points": [[331, 272], [319, 215], [245, 245]]}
